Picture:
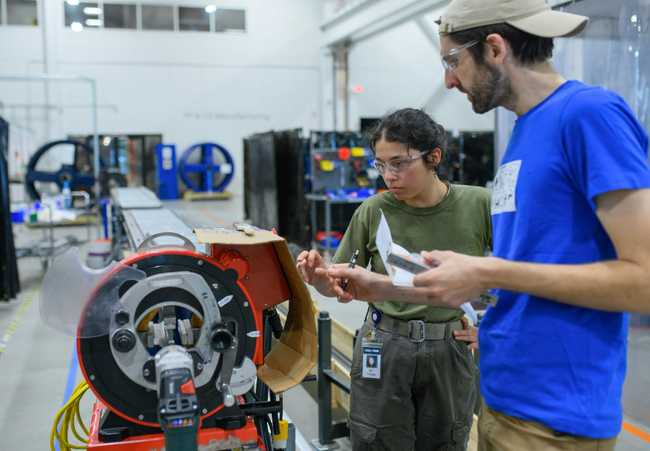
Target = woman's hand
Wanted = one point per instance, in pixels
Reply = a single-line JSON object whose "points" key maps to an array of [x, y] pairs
{"points": [[469, 334], [313, 270]]}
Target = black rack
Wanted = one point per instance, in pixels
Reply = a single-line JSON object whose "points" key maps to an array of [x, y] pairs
{"points": [[9, 279]]}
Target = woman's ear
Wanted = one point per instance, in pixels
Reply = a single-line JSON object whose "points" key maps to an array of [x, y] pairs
{"points": [[436, 154]]}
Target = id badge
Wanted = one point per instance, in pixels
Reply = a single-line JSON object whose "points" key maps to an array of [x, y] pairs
{"points": [[371, 359]]}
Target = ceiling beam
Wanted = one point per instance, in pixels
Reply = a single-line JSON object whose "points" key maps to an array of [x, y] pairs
{"points": [[369, 18]]}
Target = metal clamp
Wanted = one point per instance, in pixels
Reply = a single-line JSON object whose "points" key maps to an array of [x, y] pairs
{"points": [[82, 195], [147, 243], [417, 334]]}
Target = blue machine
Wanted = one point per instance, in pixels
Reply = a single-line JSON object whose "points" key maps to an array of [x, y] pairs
{"points": [[206, 168], [167, 182]]}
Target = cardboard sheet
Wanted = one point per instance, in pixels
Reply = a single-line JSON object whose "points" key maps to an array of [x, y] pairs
{"points": [[294, 355]]}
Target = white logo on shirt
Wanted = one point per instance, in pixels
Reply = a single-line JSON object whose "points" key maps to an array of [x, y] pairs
{"points": [[505, 187]]}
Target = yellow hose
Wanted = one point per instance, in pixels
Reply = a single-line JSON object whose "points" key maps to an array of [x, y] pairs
{"points": [[64, 422]]}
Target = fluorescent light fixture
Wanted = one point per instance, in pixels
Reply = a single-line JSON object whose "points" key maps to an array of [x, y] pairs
{"points": [[76, 26], [92, 11], [107, 140], [73, 2], [210, 9], [93, 22]]}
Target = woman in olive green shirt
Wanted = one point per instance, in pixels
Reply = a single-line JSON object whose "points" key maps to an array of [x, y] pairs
{"points": [[424, 397]]}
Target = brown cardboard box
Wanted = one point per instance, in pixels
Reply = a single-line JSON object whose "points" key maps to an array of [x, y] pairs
{"points": [[294, 355]]}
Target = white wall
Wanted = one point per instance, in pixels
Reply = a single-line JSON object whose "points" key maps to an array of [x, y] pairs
{"points": [[401, 68], [189, 86]]}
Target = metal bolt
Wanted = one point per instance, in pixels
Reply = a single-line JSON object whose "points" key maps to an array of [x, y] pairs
{"points": [[92, 377], [146, 372], [200, 262], [204, 411], [123, 340], [245, 304], [199, 366], [215, 286], [162, 410], [122, 317], [140, 417]]}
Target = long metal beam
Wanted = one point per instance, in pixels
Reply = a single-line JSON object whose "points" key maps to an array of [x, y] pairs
{"points": [[372, 17]]}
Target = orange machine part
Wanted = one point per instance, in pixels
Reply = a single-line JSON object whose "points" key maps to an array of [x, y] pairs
{"points": [[258, 358], [265, 282], [246, 435], [231, 259]]}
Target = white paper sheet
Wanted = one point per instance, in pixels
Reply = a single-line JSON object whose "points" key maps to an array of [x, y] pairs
{"points": [[398, 276]]}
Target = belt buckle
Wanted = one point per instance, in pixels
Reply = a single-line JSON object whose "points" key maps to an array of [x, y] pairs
{"points": [[417, 334]]}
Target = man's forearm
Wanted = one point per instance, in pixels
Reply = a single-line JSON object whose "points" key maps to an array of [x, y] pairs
{"points": [[383, 289], [611, 285]]}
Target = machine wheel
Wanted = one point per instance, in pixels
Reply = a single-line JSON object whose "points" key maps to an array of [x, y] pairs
{"points": [[79, 173], [206, 167]]}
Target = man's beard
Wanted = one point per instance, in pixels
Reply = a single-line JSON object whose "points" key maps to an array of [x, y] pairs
{"points": [[491, 90]]}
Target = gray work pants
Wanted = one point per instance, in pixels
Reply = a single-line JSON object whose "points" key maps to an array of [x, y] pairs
{"points": [[423, 401]]}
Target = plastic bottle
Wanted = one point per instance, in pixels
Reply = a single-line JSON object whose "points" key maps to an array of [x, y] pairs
{"points": [[67, 194]]}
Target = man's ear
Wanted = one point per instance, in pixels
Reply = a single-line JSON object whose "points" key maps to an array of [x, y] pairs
{"points": [[497, 48]]}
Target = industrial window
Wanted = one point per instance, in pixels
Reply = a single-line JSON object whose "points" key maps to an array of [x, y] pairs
{"points": [[22, 12], [119, 16], [230, 19], [193, 19], [156, 17], [79, 15]]}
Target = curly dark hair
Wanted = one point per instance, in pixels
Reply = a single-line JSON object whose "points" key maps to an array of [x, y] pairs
{"points": [[413, 128], [527, 48]]}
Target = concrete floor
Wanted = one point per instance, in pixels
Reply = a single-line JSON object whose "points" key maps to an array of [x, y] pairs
{"points": [[37, 366]]}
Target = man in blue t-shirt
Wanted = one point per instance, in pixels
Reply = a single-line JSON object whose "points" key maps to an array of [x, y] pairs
{"points": [[571, 215]]}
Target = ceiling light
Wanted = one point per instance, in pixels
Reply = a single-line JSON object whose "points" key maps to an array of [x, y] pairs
{"points": [[76, 26], [73, 2], [107, 140], [92, 11], [93, 22], [210, 9]]}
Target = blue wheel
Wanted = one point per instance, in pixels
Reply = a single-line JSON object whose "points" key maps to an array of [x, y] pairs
{"points": [[79, 174], [206, 167]]}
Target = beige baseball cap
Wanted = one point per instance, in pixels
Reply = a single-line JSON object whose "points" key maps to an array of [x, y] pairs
{"points": [[532, 16]]}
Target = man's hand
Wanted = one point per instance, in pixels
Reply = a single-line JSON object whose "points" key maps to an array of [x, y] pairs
{"points": [[313, 270], [453, 280], [362, 284]]}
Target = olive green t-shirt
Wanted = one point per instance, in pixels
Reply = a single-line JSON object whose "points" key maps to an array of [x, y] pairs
{"points": [[461, 222]]}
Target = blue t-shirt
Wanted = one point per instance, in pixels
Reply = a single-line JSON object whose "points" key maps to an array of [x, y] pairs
{"points": [[542, 360]]}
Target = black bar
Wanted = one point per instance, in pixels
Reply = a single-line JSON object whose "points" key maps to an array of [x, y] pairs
{"points": [[261, 408], [337, 380], [324, 387]]}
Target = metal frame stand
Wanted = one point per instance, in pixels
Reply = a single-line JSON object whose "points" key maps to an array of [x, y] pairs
{"points": [[46, 78], [327, 430]]}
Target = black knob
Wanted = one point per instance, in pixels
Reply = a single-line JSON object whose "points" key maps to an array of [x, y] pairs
{"points": [[123, 340], [221, 340], [149, 370], [122, 317]]}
